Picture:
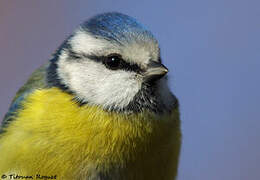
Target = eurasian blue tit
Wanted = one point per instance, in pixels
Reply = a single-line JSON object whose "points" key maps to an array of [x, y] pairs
{"points": [[99, 109]]}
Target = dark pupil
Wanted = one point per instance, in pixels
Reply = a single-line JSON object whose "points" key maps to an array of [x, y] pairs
{"points": [[112, 62]]}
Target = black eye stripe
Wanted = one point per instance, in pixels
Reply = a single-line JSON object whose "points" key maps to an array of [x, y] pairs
{"points": [[123, 64], [131, 67], [74, 55]]}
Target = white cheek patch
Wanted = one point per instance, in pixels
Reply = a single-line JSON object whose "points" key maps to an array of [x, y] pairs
{"points": [[95, 84], [117, 89]]}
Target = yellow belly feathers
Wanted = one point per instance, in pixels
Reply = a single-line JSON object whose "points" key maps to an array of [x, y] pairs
{"points": [[53, 135]]}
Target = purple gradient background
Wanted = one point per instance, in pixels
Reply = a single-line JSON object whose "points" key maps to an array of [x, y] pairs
{"points": [[211, 48]]}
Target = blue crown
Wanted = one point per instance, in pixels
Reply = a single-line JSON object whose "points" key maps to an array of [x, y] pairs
{"points": [[116, 27]]}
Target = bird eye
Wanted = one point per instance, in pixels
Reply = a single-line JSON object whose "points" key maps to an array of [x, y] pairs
{"points": [[112, 62]]}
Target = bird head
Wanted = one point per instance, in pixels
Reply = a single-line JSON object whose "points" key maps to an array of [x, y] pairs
{"points": [[112, 61]]}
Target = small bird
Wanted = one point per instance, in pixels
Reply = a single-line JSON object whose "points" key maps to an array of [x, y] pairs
{"points": [[99, 109]]}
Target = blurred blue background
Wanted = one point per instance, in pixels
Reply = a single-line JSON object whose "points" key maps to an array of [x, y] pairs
{"points": [[212, 49]]}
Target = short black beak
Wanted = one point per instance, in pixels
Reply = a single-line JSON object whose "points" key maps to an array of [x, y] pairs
{"points": [[155, 71]]}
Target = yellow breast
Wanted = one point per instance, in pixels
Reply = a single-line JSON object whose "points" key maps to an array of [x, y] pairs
{"points": [[52, 135]]}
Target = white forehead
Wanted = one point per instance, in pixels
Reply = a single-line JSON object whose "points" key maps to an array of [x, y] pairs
{"points": [[139, 50]]}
